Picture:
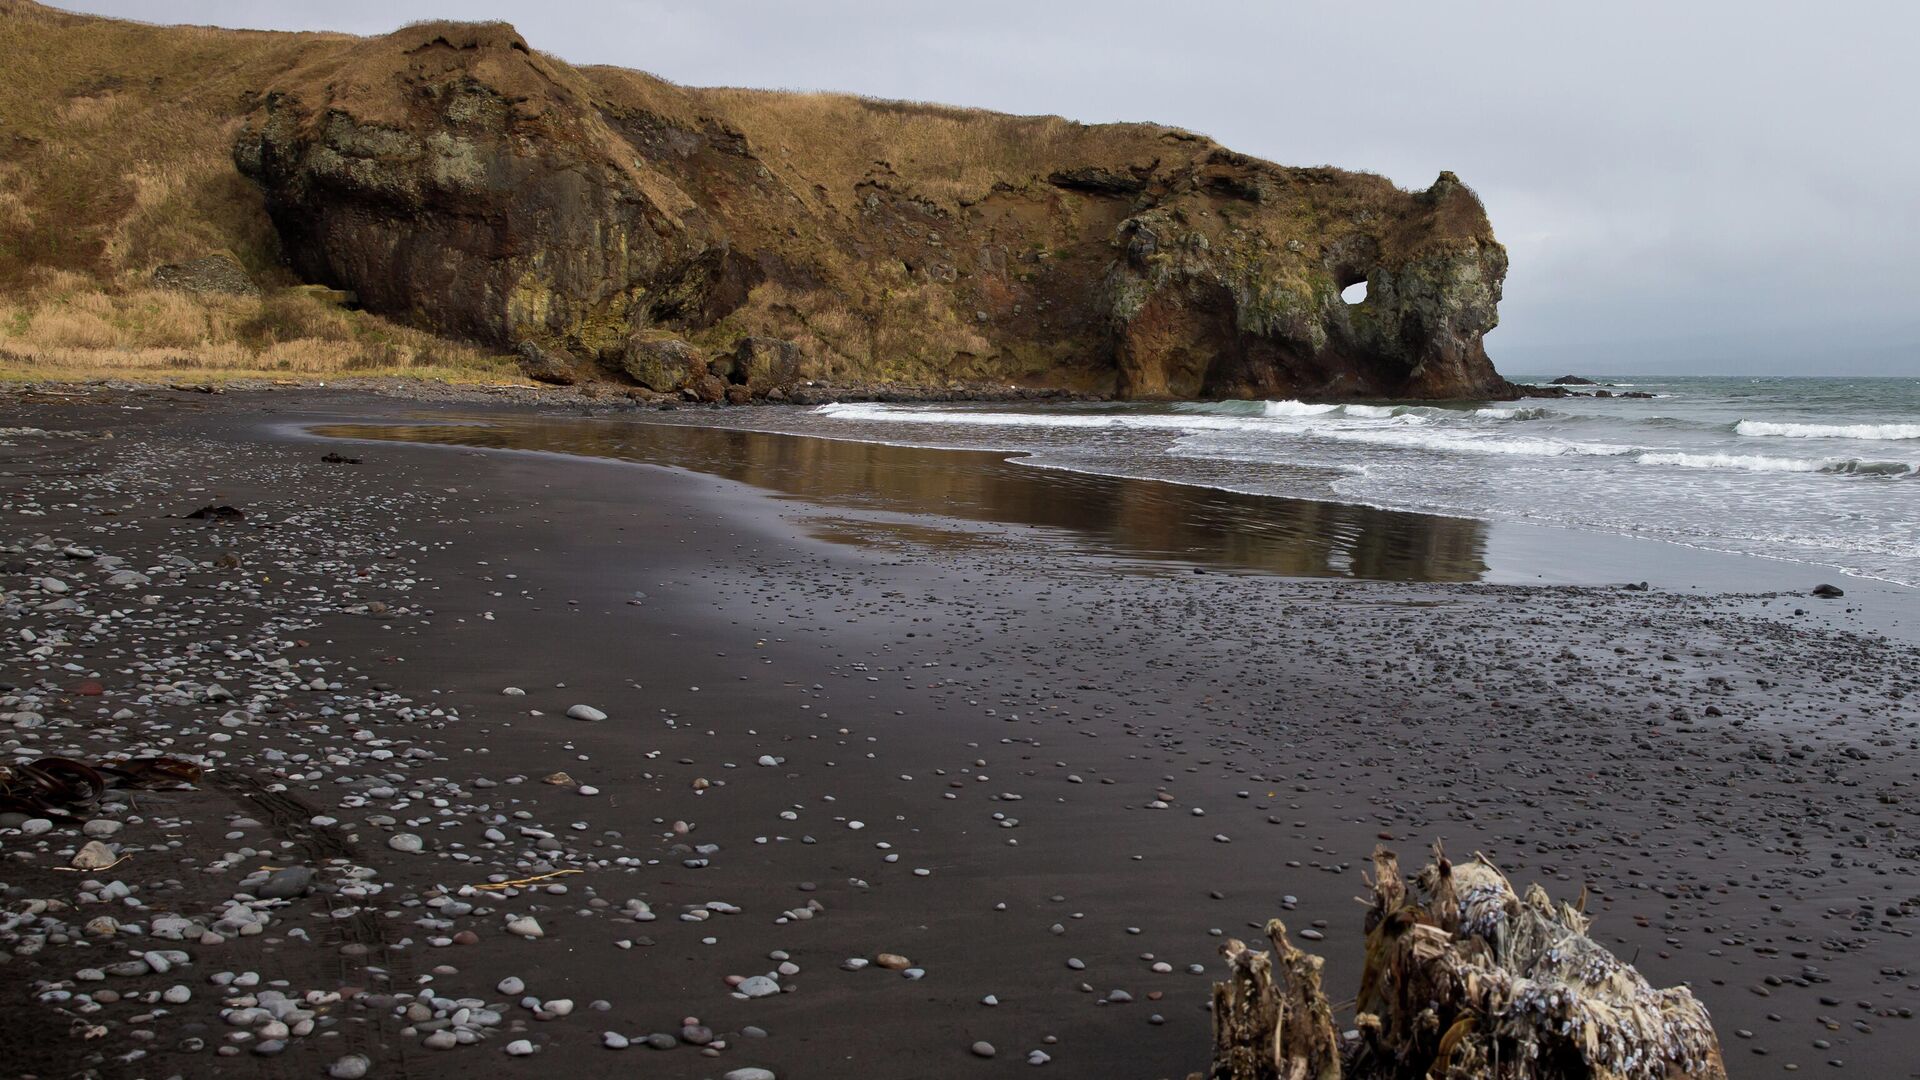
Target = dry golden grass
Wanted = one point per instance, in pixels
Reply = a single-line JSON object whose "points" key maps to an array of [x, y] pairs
{"points": [[122, 161], [944, 152], [64, 326], [121, 136]]}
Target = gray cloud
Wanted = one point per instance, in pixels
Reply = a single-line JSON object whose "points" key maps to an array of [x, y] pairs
{"points": [[1715, 186]]}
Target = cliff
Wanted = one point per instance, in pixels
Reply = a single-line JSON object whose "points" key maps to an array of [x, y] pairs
{"points": [[732, 243]]}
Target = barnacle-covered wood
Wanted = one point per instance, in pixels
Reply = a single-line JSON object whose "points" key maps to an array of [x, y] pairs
{"points": [[1265, 1029], [1463, 979]]}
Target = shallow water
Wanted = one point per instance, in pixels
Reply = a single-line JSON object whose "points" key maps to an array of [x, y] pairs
{"points": [[1154, 522]]}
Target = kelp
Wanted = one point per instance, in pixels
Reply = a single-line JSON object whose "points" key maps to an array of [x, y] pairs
{"points": [[1463, 979], [55, 787]]}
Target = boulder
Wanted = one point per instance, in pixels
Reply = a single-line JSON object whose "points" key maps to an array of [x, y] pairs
{"points": [[660, 363], [766, 364], [707, 388], [543, 365]]}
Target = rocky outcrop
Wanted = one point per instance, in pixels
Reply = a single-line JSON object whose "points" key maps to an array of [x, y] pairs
{"points": [[210, 274], [730, 243]]}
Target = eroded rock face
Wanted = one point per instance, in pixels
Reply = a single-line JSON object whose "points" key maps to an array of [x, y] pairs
{"points": [[1229, 312], [448, 174], [454, 179]]}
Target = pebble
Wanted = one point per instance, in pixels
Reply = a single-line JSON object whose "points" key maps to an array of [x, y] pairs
{"points": [[286, 883], [93, 855], [586, 712], [758, 986], [349, 1067], [983, 1049], [519, 1048]]}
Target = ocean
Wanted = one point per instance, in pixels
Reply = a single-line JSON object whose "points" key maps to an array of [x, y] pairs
{"points": [[1824, 471]]}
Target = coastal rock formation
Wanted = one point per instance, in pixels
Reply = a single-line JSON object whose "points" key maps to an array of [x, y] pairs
{"points": [[451, 174]]}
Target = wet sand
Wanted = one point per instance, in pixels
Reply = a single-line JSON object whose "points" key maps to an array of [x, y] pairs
{"points": [[1071, 757]]}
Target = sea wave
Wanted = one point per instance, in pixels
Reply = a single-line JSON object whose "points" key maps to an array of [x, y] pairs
{"points": [[1377, 426], [1300, 408], [1513, 414], [1767, 463], [1875, 432]]}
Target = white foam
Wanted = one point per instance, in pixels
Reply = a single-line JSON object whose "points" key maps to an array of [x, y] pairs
{"points": [[1456, 440], [1371, 412], [1294, 408], [1181, 422], [1875, 432], [896, 414], [1742, 462]]}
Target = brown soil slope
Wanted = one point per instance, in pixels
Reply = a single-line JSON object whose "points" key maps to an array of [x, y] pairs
{"points": [[607, 222]]}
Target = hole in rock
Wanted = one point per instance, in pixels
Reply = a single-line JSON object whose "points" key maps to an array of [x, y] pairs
{"points": [[1354, 293]]}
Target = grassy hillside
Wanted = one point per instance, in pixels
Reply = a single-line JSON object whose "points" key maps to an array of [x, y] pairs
{"points": [[118, 159]]}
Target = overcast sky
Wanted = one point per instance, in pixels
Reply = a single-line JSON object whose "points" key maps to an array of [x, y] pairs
{"points": [[1724, 186]]}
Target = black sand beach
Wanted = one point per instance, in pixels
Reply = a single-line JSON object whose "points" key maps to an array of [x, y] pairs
{"points": [[1050, 757]]}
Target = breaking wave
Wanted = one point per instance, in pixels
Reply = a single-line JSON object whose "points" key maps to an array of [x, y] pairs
{"points": [[1765, 463], [1875, 432]]}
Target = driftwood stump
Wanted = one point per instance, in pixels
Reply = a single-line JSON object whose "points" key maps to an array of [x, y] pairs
{"points": [[1468, 981]]}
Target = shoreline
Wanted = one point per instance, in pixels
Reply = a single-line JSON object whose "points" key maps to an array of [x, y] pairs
{"points": [[1732, 786], [1486, 551]]}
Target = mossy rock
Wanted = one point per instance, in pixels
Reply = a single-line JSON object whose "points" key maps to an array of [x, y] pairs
{"points": [[767, 363], [659, 362]]}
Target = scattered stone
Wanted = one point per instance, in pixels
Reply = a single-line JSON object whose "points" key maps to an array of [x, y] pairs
{"points": [[758, 986]]}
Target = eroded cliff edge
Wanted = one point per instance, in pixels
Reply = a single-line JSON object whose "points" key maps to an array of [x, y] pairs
{"points": [[733, 243]]}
